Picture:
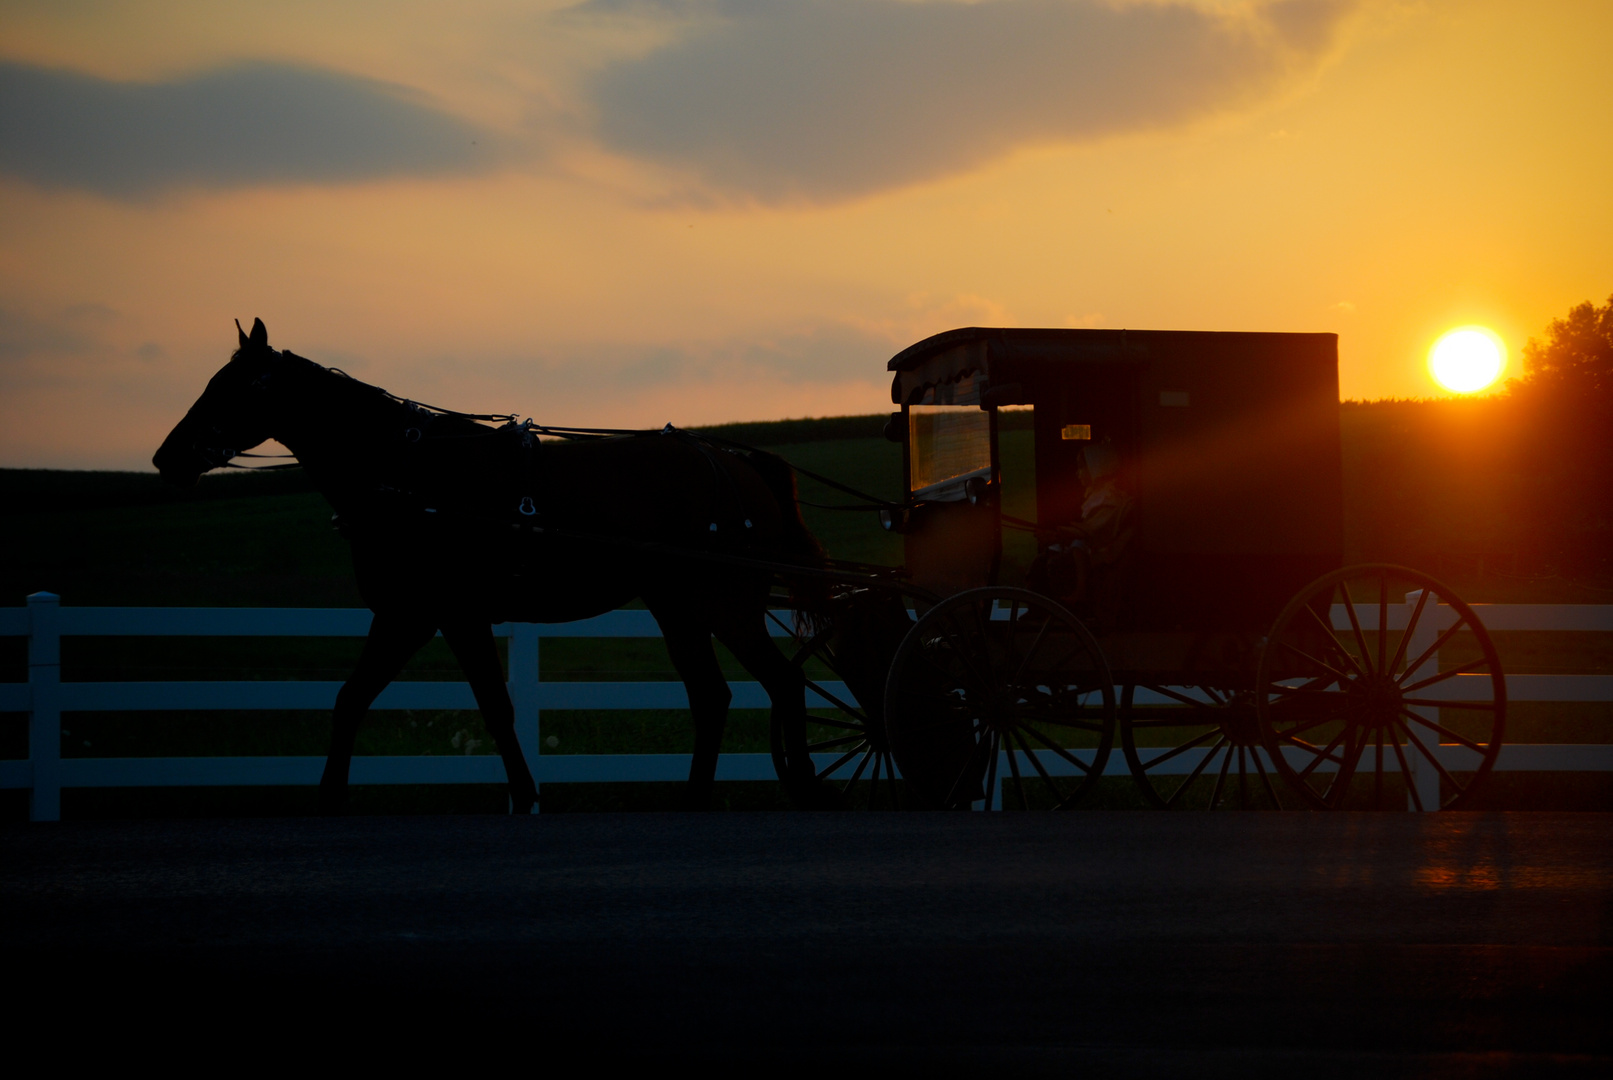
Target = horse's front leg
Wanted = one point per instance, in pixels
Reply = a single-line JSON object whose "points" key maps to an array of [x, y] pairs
{"points": [[688, 644], [393, 640], [473, 646]]}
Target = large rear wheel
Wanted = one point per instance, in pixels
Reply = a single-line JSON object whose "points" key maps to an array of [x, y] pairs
{"points": [[999, 697], [1379, 688]]}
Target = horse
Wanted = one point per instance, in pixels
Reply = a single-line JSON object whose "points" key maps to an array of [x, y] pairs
{"points": [[455, 525]]}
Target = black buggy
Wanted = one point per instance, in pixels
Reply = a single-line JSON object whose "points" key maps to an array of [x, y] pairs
{"points": [[1180, 586]]}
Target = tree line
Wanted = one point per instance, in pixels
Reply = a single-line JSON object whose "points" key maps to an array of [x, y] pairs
{"points": [[1525, 474]]}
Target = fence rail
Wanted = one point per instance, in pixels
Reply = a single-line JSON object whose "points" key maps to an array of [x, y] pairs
{"points": [[44, 697]]}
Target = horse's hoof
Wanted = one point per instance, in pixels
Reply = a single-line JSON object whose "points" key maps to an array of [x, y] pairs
{"points": [[332, 803]]}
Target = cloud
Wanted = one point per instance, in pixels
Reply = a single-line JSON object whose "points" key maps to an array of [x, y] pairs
{"points": [[829, 352], [73, 332], [250, 124], [829, 99]]}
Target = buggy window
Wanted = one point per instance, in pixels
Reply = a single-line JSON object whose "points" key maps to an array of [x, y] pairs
{"points": [[946, 442]]}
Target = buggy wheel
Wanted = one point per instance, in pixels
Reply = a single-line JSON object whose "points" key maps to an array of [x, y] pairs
{"points": [[999, 697], [847, 762], [1197, 748], [1379, 688]]}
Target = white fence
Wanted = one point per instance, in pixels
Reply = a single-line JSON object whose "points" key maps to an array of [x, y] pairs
{"points": [[45, 697]]}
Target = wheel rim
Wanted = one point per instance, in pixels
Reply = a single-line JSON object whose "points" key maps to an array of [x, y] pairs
{"points": [[1198, 747], [1411, 715], [1000, 697]]}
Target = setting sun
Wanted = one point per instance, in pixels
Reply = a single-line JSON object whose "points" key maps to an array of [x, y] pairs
{"points": [[1467, 359]]}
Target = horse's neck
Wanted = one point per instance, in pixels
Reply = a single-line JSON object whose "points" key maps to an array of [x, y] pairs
{"points": [[344, 432]]}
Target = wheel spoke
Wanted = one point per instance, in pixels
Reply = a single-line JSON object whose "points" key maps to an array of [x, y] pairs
{"points": [[1073, 649], [847, 756], [1332, 642], [1314, 722], [828, 743], [1447, 732], [836, 722], [1243, 780], [1444, 703], [1411, 626], [1355, 626], [991, 768], [1013, 624], [1180, 749], [1340, 676], [1013, 767], [1197, 771], [849, 710], [1036, 763], [1470, 668], [808, 647], [1383, 620], [1036, 644], [966, 655], [873, 780], [1220, 779], [1416, 665], [1432, 758], [1377, 776], [980, 658], [968, 768], [1265, 780], [1060, 721], [1057, 749], [1276, 692], [1325, 754], [1336, 792], [1183, 722], [1173, 695], [1405, 772]]}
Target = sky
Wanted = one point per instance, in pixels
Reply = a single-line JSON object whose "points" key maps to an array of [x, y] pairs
{"points": [[629, 212]]}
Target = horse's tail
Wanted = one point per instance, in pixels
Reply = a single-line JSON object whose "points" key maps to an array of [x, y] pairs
{"points": [[809, 592]]}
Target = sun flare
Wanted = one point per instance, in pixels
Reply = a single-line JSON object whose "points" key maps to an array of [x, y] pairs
{"points": [[1467, 359]]}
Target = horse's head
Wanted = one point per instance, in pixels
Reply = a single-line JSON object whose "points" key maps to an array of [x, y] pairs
{"points": [[230, 417]]}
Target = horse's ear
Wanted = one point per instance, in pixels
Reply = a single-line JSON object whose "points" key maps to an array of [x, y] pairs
{"points": [[238, 330], [260, 334]]}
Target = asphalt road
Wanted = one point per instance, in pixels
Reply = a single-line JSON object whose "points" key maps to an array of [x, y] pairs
{"points": [[1124, 944]]}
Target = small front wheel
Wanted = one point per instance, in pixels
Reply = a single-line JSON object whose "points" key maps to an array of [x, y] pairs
{"points": [[999, 686]]}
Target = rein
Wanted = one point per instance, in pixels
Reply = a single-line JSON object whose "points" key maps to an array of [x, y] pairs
{"points": [[529, 426]]}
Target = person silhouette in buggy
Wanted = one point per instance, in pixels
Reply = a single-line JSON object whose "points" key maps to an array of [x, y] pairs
{"points": [[1074, 566]]}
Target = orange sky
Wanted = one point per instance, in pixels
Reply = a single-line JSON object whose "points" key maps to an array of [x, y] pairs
{"points": [[624, 213]]}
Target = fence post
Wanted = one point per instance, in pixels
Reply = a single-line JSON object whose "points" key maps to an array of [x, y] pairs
{"points": [[1423, 776], [524, 693], [45, 706]]}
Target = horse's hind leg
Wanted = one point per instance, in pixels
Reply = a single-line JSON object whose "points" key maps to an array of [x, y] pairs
{"points": [[478, 659], [393, 639], [688, 643], [747, 638]]}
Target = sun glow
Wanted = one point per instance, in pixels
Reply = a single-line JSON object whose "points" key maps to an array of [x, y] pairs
{"points": [[1467, 359]]}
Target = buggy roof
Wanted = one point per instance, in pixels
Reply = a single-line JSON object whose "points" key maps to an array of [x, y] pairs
{"points": [[1007, 366]]}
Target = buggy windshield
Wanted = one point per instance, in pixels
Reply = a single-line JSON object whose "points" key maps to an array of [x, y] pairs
{"points": [[947, 442]]}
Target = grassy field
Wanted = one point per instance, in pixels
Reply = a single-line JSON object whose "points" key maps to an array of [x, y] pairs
{"points": [[266, 540]]}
